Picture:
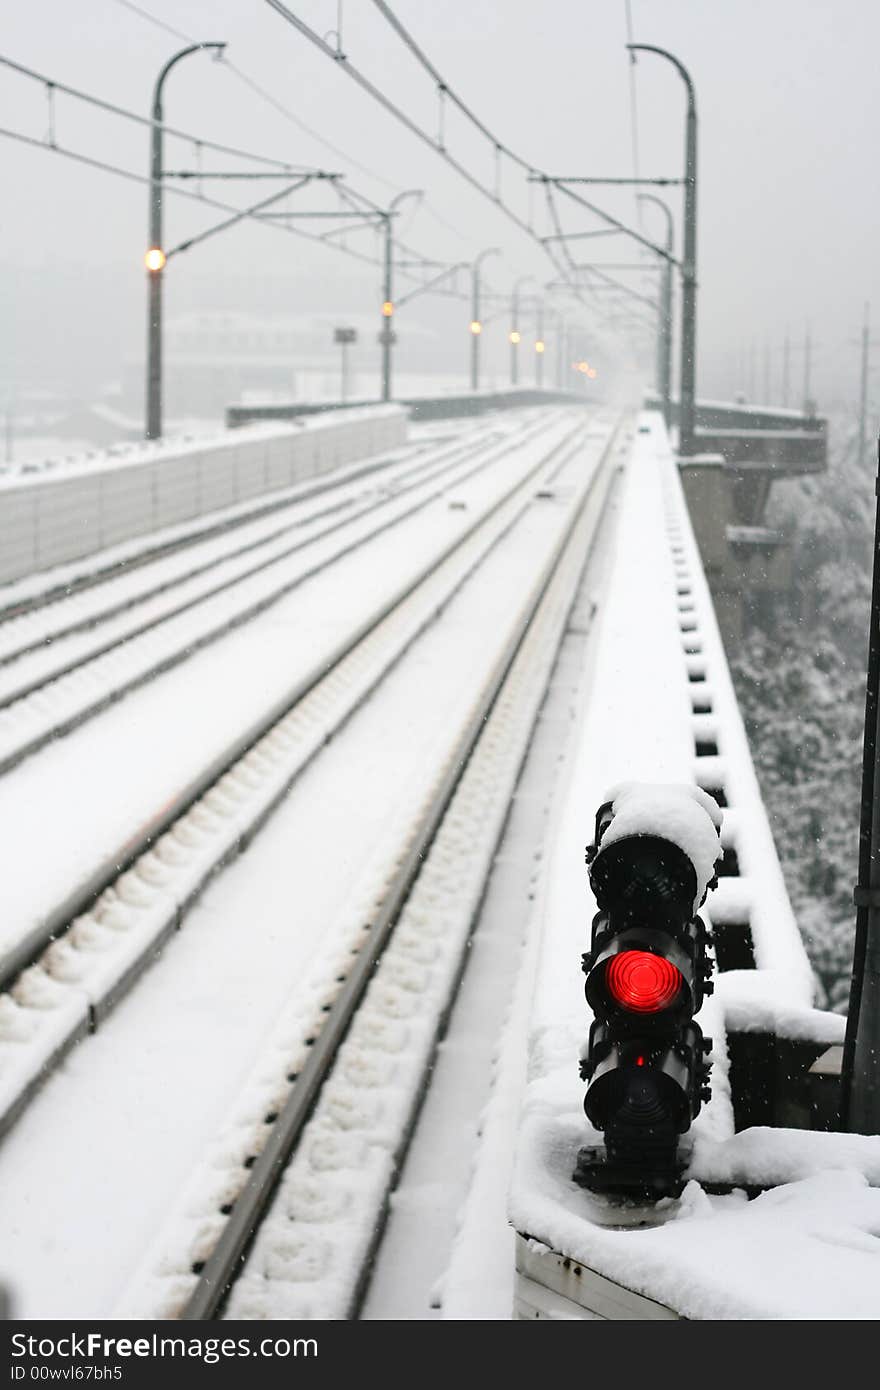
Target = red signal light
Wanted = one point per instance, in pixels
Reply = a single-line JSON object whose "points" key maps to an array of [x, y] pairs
{"points": [[643, 982]]}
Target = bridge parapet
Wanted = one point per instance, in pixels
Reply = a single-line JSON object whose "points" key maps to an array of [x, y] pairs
{"points": [[788, 452], [758, 446], [734, 415], [741, 452], [439, 407]]}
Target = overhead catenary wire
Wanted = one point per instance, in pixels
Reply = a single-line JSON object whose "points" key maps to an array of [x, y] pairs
{"points": [[633, 105], [261, 92], [388, 14], [280, 169], [499, 148], [415, 129], [573, 267], [124, 113], [571, 281], [284, 110], [611, 221], [287, 167], [133, 177], [239, 213], [154, 19]]}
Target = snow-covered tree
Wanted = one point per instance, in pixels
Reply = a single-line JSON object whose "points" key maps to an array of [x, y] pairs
{"points": [[800, 679]]}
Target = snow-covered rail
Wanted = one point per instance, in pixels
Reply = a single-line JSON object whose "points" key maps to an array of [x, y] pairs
{"points": [[543, 517]]}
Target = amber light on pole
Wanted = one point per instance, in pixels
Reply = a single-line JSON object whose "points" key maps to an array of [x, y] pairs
{"points": [[387, 335], [476, 326], [515, 337]]}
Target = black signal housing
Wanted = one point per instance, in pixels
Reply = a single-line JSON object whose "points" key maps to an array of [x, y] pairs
{"points": [[648, 971]]}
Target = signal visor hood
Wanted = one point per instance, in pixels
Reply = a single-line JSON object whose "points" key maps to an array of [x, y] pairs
{"points": [[678, 812]]}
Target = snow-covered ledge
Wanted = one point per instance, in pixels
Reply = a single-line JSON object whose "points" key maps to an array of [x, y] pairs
{"points": [[660, 706]]}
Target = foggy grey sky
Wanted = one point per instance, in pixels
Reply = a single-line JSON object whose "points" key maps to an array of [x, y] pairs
{"points": [[789, 204]]}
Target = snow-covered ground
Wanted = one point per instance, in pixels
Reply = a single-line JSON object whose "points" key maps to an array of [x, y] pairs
{"points": [[139, 1101]]}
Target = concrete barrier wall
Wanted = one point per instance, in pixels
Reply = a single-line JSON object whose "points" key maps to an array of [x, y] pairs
{"points": [[84, 506], [421, 407], [731, 415]]}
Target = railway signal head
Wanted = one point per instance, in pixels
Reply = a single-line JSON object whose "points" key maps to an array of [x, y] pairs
{"points": [[652, 861]]}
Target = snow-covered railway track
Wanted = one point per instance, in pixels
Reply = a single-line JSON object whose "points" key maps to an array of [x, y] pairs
{"points": [[65, 975], [172, 875], [67, 680], [341, 1120]]}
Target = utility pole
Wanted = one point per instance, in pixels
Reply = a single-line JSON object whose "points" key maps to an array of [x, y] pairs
{"points": [[561, 350], [786, 362], [540, 345], [155, 257], [664, 320], [387, 336], [808, 404], [344, 337], [515, 340], [860, 1071], [766, 372], [386, 333], [863, 387], [476, 322], [687, 393], [515, 334]]}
